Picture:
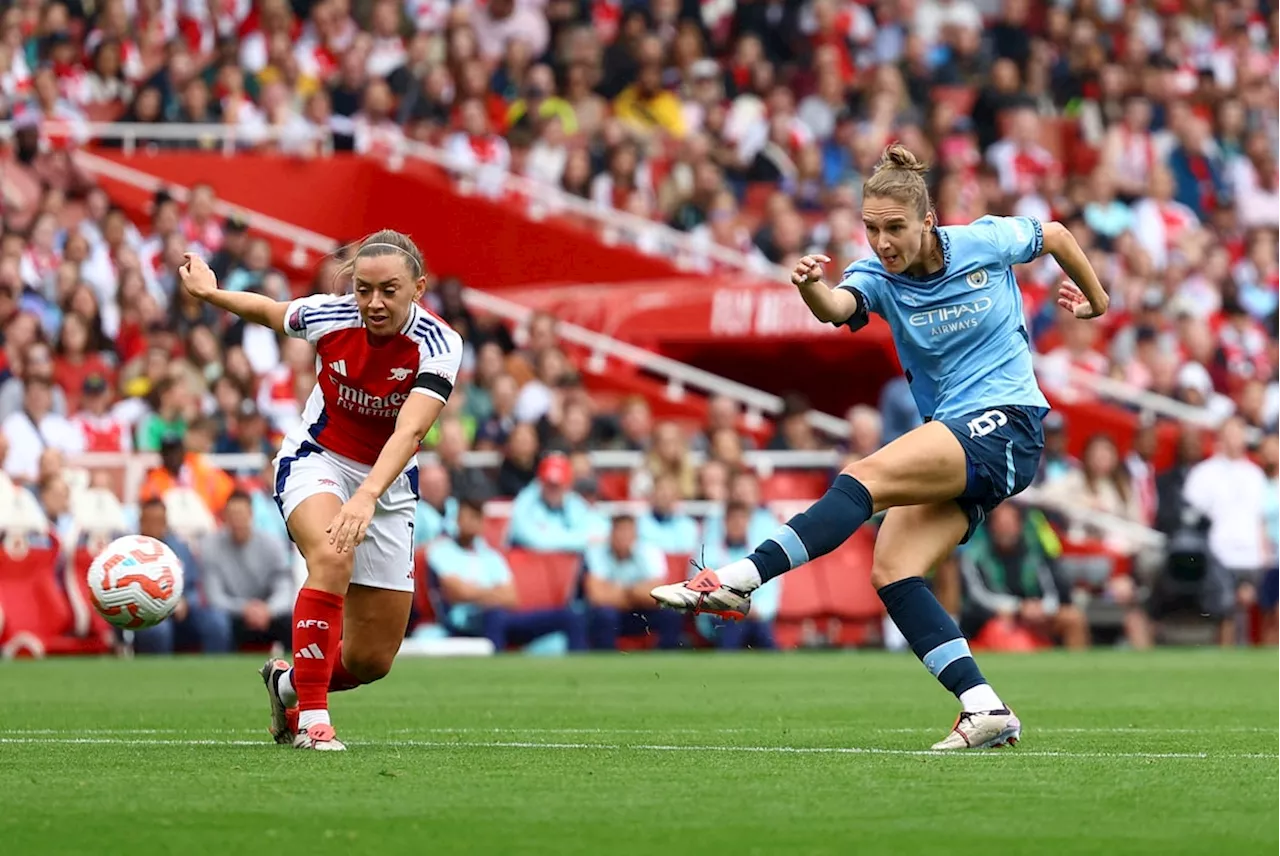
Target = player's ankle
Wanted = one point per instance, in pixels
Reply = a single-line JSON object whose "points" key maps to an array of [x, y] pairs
{"points": [[980, 699], [741, 575], [308, 718]]}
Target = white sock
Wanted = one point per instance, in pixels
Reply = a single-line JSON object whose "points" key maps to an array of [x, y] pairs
{"points": [[981, 699], [741, 575], [285, 691], [308, 718]]}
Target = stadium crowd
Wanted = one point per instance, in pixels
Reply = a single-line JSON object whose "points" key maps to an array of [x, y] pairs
{"points": [[1148, 127]]}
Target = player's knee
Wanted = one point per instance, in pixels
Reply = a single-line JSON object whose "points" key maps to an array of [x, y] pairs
{"points": [[867, 470], [368, 667], [886, 570], [887, 566], [328, 569]]}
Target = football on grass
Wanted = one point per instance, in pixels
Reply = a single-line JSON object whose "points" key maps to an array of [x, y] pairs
{"points": [[136, 582]]}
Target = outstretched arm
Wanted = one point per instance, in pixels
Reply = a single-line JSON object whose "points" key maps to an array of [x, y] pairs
{"points": [[833, 305], [1083, 296], [200, 282], [416, 418]]}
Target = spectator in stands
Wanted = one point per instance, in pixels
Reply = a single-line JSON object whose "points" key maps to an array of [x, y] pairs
{"points": [[250, 433], [193, 624], [713, 482], [722, 413], [172, 408], [75, 362], [180, 468], [669, 456], [1103, 484], [547, 516], [635, 426], [663, 524], [866, 429], [55, 501], [1229, 491], [616, 581], [437, 512], [794, 431], [36, 362], [536, 396], [898, 410], [1010, 579], [478, 594], [1170, 495], [452, 445], [248, 580], [744, 489], [1056, 462], [500, 421], [519, 464], [756, 631], [34, 428], [1269, 457]]}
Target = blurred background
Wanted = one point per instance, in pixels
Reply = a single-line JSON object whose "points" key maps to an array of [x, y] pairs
{"points": [[608, 195]]}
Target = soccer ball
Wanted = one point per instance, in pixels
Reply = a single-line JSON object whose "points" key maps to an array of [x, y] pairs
{"points": [[136, 582]]}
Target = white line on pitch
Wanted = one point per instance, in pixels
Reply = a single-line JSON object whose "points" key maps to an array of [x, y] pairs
{"points": [[515, 729], [657, 747]]}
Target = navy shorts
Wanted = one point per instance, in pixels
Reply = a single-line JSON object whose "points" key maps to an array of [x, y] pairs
{"points": [[1002, 446]]}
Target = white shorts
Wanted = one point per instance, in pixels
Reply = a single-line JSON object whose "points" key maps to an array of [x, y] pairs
{"points": [[384, 559]]}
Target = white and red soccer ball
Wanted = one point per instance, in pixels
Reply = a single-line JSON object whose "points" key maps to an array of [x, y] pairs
{"points": [[136, 582]]}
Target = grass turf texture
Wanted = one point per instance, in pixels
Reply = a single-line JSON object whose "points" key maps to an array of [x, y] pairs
{"points": [[1168, 752]]}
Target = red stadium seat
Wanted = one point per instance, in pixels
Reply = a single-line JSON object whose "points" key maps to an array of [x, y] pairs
{"points": [[796, 484], [36, 617], [543, 580], [494, 531], [678, 568], [846, 574], [421, 591]]}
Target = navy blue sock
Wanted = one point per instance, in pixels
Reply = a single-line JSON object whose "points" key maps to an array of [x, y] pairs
{"points": [[826, 525], [933, 634]]}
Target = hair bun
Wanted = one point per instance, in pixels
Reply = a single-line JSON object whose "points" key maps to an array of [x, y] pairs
{"points": [[898, 156]]}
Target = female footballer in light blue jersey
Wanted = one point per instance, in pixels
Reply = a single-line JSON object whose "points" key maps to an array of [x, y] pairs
{"points": [[950, 299]]}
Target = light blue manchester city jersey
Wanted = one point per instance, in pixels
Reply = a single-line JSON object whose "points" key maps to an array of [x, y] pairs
{"points": [[960, 333]]}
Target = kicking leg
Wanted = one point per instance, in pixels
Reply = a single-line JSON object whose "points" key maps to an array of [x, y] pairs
{"points": [[926, 465], [912, 540]]}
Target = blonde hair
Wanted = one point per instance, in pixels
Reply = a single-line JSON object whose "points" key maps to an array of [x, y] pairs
{"points": [[900, 176], [384, 242]]}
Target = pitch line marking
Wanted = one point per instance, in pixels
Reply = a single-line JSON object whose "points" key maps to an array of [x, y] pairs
{"points": [[659, 747]]}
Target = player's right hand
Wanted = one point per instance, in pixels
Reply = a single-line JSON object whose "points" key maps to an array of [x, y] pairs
{"points": [[808, 269], [196, 277]]}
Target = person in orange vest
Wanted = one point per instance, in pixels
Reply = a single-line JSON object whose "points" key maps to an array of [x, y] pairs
{"points": [[180, 468]]}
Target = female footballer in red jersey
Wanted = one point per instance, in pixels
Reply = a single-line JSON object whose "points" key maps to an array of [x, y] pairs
{"points": [[346, 479]]}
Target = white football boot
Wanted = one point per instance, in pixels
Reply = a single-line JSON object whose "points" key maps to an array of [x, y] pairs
{"points": [[284, 721], [704, 594], [990, 730], [321, 737]]}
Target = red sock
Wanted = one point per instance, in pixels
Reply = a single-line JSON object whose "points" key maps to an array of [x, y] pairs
{"points": [[317, 633], [341, 678]]}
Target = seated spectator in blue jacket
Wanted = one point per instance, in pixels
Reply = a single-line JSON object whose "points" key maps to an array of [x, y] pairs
{"points": [[437, 512], [194, 623], [664, 525], [616, 582], [548, 517], [756, 631], [478, 597]]}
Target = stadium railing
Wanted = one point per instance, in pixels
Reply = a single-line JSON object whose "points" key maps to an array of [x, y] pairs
{"points": [[541, 199]]}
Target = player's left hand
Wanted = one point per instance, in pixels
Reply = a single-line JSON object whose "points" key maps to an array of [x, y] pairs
{"points": [[351, 522], [1072, 299]]}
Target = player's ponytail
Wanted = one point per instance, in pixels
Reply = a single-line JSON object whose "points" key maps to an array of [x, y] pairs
{"points": [[900, 176], [384, 242]]}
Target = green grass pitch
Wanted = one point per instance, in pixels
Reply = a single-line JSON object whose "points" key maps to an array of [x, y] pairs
{"points": [[1162, 753]]}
